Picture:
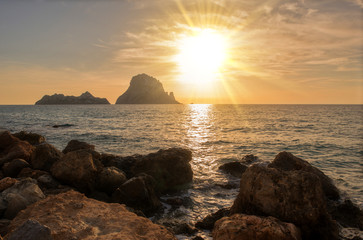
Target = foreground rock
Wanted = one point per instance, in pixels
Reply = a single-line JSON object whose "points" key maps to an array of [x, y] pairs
{"points": [[296, 197], [31, 230], [84, 98], [73, 216], [12, 148], [145, 89], [44, 156], [32, 138], [246, 227], [75, 145], [170, 168]]}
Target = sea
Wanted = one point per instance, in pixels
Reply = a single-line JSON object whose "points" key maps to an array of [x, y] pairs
{"points": [[330, 137]]}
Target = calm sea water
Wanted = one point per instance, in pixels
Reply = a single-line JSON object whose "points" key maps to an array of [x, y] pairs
{"points": [[328, 136]]}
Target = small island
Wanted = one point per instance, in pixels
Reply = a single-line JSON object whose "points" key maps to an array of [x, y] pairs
{"points": [[145, 89], [84, 98]]}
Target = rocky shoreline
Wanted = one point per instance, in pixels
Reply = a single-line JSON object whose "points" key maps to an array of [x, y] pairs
{"points": [[79, 193]]}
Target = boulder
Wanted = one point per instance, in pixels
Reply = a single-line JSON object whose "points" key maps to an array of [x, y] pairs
{"points": [[44, 156], [75, 145], [109, 179], [177, 226], [7, 182], [246, 227], [347, 214], [138, 192], [235, 168], [248, 159], [46, 181], [71, 215], [209, 221], [295, 196], [123, 163], [31, 230], [32, 138], [78, 169], [13, 168], [170, 168], [12, 148], [19, 196], [31, 173], [288, 162]]}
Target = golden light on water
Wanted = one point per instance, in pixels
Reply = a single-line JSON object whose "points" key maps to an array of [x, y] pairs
{"points": [[202, 56]]}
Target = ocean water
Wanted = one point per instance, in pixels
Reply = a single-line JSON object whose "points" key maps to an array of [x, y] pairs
{"points": [[330, 137]]}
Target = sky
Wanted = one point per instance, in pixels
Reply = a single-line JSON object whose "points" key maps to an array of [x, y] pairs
{"points": [[277, 52]]}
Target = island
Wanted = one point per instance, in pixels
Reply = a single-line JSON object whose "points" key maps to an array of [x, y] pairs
{"points": [[84, 98], [145, 89]]}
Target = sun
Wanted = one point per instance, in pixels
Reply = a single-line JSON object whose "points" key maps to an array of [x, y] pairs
{"points": [[201, 56]]}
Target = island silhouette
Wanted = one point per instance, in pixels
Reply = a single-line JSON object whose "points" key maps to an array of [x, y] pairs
{"points": [[84, 98]]}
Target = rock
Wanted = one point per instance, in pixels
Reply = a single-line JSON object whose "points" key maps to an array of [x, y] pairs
{"points": [[288, 162], [175, 201], [13, 168], [78, 169], [236, 169], [248, 159], [19, 196], [7, 182], [347, 214], [295, 196], [44, 156], [32, 138], [84, 98], [31, 173], [109, 179], [138, 193], [177, 226], [197, 238], [240, 227], [73, 216], [123, 163], [170, 168], [47, 181], [145, 89], [12, 148], [4, 223], [31, 230], [75, 145], [209, 221]]}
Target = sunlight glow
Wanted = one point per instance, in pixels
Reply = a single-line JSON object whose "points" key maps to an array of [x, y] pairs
{"points": [[201, 56]]}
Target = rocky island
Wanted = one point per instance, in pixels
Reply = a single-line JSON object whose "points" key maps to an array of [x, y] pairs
{"points": [[84, 98], [145, 89]]}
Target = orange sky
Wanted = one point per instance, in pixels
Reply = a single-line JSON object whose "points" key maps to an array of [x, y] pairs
{"points": [[278, 51]]}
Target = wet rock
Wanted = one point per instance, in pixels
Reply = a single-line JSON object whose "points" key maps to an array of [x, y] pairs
{"points": [[197, 238], [248, 159], [7, 182], [12, 148], [109, 179], [13, 168], [73, 216], [75, 145], [63, 125], [31, 173], [32, 138], [78, 169], [347, 214], [19, 196], [240, 226], [294, 196], [178, 226], [287, 162], [236, 169], [209, 221], [170, 168], [44, 156], [175, 201], [138, 193], [31, 230]]}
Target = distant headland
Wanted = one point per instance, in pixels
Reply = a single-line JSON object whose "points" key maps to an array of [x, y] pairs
{"points": [[145, 89], [84, 98]]}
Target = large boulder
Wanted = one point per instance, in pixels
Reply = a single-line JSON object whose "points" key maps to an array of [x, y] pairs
{"points": [[12, 148], [71, 215], [234, 168], [246, 227], [109, 179], [294, 196], [75, 145], [19, 196], [78, 169], [138, 192], [44, 156], [287, 162], [13, 168], [170, 168], [32, 138]]}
